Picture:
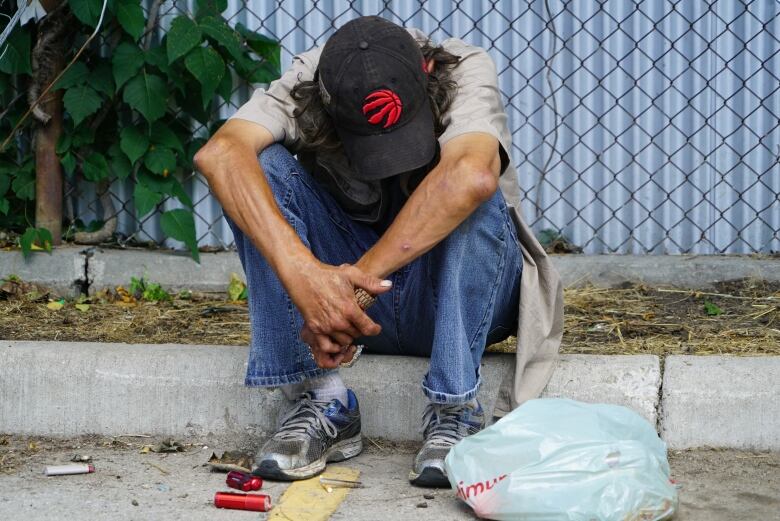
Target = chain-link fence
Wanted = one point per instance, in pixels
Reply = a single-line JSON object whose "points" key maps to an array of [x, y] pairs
{"points": [[638, 127]]}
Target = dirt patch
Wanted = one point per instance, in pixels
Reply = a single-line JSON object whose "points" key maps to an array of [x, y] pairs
{"points": [[739, 317]]}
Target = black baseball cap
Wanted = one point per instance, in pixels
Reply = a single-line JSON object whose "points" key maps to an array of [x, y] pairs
{"points": [[374, 85]]}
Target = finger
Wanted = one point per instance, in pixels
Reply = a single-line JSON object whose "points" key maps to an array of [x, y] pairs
{"points": [[345, 327], [363, 323], [307, 336], [328, 360], [374, 285], [326, 345], [341, 339]]}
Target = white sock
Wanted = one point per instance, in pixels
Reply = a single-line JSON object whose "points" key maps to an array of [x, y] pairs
{"points": [[325, 387], [328, 386]]}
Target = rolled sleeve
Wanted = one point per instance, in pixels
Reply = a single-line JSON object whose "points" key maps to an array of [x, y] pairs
{"points": [[273, 107], [477, 106]]}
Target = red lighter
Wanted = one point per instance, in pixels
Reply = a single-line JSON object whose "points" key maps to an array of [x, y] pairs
{"points": [[243, 481], [236, 500]]}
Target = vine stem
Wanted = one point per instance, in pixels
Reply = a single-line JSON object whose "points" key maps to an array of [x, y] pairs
{"points": [[56, 79]]}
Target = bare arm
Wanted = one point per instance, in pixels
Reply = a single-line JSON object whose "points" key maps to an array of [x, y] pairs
{"points": [[466, 176], [323, 294], [229, 163]]}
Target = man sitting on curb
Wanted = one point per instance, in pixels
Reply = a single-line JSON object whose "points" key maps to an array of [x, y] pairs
{"points": [[400, 147]]}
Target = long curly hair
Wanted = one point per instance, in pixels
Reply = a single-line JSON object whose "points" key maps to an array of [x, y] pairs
{"points": [[315, 125]]}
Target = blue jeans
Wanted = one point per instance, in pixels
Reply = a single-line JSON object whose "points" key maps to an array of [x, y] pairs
{"points": [[447, 304]]}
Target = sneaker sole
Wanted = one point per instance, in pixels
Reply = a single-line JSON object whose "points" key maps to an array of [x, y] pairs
{"points": [[340, 451], [430, 477]]}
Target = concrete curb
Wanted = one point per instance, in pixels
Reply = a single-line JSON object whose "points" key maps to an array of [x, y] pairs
{"points": [[177, 271], [174, 271], [63, 271], [721, 401], [686, 271], [64, 389]]}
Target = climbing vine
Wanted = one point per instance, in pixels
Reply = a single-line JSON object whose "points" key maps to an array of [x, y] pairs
{"points": [[132, 102]]}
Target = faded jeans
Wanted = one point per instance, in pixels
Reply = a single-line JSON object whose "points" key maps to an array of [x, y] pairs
{"points": [[447, 304]]}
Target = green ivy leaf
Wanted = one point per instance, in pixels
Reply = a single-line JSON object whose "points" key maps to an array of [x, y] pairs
{"points": [[118, 163], [95, 167], [120, 166], [23, 185], [265, 47], [205, 64], [180, 225], [76, 75], [133, 143], [63, 143], [163, 135], [38, 236], [68, 163], [131, 17], [16, 59], [127, 60], [183, 35], [82, 135], [178, 191], [88, 11], [147, 94], [102, 80], [157, 57], [256, 71], [219, 31], [5, 183], [225, 87], [145, 199], [163, 185], [210, 7], [160, 160], [81, 101]]}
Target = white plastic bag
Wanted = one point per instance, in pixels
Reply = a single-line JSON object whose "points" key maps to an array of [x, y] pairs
{"points": [[557, 459]]}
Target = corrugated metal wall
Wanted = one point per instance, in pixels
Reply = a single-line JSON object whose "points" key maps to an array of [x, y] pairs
{"points": [[638, 126]]}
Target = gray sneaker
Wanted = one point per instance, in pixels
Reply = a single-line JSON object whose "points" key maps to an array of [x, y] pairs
{"points": [[443, 427], [314, 433]]}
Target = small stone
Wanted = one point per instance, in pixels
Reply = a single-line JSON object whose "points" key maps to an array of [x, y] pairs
{"points": [[422, 505], [429, 496], [134, 503]]}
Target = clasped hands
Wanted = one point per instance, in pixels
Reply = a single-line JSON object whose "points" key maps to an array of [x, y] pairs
{"points": [[333, 319]]}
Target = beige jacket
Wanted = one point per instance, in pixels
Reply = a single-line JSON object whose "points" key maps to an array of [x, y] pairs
{"points": [[477, 108]]}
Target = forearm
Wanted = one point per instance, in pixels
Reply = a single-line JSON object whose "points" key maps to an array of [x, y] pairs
{"points": [[239, 184], [446, 197]]}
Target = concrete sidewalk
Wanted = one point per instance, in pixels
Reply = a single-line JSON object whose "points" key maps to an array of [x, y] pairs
{"points": [[715, 486], [65, 389]]}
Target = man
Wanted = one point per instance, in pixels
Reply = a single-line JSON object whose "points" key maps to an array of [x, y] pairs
{"points": [[401, 145]]}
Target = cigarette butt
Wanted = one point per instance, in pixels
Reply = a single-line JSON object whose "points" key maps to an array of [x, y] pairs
{"points": [[63, 470], [329, 483]]}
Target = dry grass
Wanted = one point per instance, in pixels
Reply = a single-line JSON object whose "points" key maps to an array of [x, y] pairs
{"points": [[629, 320], [637, 319]]}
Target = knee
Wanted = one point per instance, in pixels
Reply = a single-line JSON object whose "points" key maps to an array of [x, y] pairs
{"points": [[277, 164], [490, 215], [276, 159]]}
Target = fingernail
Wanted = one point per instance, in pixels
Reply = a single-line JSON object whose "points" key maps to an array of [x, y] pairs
{"points": [[386, 283]]}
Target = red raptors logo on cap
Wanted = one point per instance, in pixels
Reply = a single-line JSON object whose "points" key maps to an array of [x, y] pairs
{"points": [[386, 107]]}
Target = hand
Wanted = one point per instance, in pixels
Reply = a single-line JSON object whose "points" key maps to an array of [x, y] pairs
{"points": [[325, 296]]}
